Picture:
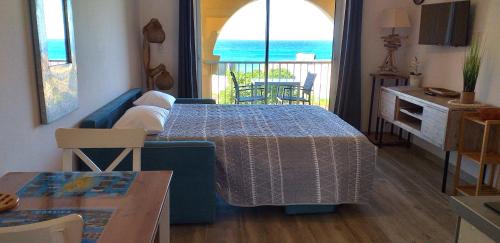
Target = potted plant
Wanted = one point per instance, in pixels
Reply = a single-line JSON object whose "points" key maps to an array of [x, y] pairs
{"points": [[415, 74], [471, 68]]}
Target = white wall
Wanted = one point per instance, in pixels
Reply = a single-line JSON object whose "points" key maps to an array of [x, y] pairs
{"points": [[167, 12], [443, 65], [108, 58], [373, 51]]}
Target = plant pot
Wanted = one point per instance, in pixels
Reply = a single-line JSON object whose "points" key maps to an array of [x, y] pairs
{"points": [[467, 97], [415, 81]]}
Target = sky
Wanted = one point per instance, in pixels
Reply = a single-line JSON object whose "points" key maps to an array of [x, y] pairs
{"points": [[290, 20], [54, 20]]}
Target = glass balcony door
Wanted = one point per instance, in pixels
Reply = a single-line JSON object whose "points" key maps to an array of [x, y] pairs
{"points": [[269, 46], [300, 51]]}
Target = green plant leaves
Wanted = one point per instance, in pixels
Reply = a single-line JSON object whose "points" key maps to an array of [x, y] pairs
{"points": [[471, 67]]}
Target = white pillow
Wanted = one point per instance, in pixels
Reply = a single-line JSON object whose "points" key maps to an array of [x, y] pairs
{"points": [[156, 98], [150, 118]]}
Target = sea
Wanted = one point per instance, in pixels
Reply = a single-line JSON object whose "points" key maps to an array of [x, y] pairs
{"points": [[56, 49], [242, 50], [279, 50]]}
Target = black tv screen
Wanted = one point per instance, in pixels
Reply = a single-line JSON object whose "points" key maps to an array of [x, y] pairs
{"points": [[445, 24]]}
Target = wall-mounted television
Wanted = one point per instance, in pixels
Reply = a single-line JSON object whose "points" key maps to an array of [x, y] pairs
{"points": [[445, 24]]}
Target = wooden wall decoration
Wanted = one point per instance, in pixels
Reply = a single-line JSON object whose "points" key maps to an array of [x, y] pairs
{"points": [[55, 56], [157, 77]]}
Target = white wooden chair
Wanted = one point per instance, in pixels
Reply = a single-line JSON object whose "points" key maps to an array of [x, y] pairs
{"points": [[67, 229], [73, 140]]}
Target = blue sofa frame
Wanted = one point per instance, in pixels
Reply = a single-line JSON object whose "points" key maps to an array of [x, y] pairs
{"points": [[192, 191]]}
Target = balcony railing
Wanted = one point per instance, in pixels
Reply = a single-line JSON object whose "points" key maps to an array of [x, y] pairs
{"points": [[217, 81]]}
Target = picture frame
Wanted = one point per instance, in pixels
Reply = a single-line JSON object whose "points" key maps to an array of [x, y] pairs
{"points": [[55, 58]]}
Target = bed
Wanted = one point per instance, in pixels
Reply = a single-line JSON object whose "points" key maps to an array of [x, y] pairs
{"points": [[279, 155]]}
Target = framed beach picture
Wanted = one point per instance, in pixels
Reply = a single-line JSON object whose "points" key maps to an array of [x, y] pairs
{"points": [[54, 46]]}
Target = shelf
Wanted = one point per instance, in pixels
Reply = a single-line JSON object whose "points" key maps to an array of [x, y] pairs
{"points": [[414, 125], [415, 113], [491, 157], [476, 119], [470, 190]]}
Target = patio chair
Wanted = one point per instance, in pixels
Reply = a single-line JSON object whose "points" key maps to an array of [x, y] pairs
{"points": [[239, 89], [303, 94]]}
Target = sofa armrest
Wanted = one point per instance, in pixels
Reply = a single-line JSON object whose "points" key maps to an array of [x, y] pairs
{"points": [[194, 101], [193, 183]]}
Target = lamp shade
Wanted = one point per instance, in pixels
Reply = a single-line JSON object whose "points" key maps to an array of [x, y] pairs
{"points": [[395, 18]]}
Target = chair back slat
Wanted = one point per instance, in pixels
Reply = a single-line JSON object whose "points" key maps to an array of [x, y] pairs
{"points": [[68, 138], [67, 229], [118, 159], [309, 82], [86, 160], [236, 85]]}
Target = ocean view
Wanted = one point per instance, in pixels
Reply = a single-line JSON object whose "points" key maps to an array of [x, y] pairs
{"points": [[56, 49], [279, 50], [241, 50]]}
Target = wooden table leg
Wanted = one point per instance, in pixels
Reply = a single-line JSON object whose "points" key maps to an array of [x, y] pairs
{"points": [[164, 224], [445, 171], [371, 106], [382, 123]]}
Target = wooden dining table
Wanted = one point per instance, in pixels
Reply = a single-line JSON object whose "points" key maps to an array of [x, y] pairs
{"points": [[140, 215]]}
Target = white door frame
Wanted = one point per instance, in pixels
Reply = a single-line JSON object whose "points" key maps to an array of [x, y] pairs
{"points": [[337, 49]]}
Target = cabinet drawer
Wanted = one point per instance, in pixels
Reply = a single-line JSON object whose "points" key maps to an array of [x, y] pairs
{"points": [[434, 126], [387, 106]]}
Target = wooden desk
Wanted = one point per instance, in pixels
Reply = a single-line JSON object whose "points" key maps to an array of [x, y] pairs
{"points": [[476, 222], [140, 216], [430, 118]]}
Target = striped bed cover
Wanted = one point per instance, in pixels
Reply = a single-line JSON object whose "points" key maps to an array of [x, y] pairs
{"points": [[279, 154]]}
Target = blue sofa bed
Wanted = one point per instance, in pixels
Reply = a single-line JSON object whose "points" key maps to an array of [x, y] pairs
{"points": [[192, 191]]}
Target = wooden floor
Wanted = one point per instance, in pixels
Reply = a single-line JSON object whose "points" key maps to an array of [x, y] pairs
{"points": [[407, 206]]}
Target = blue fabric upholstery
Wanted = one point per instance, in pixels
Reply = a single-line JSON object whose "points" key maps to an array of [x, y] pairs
{"points": [[194, 101], [192, 191]]}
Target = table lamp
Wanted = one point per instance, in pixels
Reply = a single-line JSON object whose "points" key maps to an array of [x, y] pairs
{"points": [[392, 18]]}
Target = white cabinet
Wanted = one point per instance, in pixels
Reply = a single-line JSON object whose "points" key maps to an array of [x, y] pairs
{"points": [[430, 118]]}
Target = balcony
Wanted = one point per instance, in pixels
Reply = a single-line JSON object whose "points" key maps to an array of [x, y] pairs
{"points": [[218, 85]]}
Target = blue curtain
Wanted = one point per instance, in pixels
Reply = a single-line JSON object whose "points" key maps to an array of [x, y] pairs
{"points": [[187, 81], [348, 99]]}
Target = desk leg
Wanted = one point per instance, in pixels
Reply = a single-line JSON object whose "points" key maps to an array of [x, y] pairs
{"points": [[371, 106], [445, 171], [164, 224], [382, 123]]}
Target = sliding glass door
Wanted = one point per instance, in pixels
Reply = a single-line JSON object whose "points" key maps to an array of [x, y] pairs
{"points": [[270, 46]]}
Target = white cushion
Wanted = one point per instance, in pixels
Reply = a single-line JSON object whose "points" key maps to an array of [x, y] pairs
{"points": [[156, 98], [150, 118]]}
